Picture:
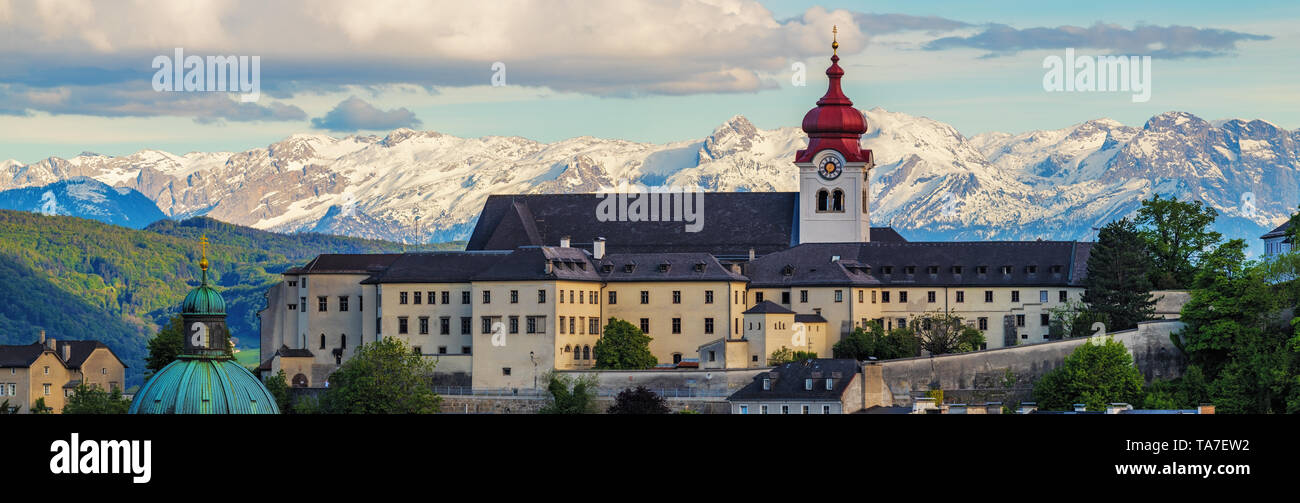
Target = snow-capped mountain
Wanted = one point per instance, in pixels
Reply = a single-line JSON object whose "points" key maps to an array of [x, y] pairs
{"points": [[930, 181], [86, 198]]}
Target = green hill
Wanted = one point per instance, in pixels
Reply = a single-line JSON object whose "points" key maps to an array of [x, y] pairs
{"points": [[82, 279]]}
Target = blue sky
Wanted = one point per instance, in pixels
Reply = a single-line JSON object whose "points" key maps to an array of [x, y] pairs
{"points": [[75, 76]]}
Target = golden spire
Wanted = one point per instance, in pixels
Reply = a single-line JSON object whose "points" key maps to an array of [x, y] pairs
{"points": [[203, 245], [835, 42]]}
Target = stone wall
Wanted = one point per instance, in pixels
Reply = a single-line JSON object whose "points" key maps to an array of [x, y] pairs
{"points": [[462, 404], [1007, 374], [713, 381]]}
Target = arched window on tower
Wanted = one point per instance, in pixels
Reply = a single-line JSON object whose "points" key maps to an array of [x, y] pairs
{"points": [[822, 200], [837, 201]]}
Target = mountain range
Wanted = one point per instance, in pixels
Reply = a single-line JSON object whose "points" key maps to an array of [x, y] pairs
{"points": [[930, 181]]}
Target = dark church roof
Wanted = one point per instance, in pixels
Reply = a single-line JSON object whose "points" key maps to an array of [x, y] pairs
{"points": [[664, 267], [787, 381], [346, 263], [734, 222], [437, 267], [768, 307], [1062, 263]]}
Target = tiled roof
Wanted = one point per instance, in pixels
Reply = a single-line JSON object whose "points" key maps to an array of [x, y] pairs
{"points": [[788, 381], [1279, 231], [809, 318], [734, 222], [437, 267], [80, 350], [346, 263], [923, 263], [20, 355], [768, 307], [286, 351], [664, 267]]}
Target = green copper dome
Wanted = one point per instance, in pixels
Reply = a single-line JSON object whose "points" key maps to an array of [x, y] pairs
{"points": [[203, 299], [203, 386]]}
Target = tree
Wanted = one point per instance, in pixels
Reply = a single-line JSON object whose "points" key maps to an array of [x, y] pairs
{"points": [[1118, 285], [1177, 233], [94, 400], [874, 341], [383, 377], [639, 401], [1074, 319], [624, 347], [39, 407], [1228, 310], [784, 355], [1094, 374], [943, 333], [167, 345], [278, 385], [570, 395]]}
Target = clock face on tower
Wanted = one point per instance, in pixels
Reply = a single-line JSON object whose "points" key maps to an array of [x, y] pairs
{"points": [[830, 166]]}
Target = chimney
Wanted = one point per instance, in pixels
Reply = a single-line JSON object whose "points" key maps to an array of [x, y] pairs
{"points": [[51, 343], [751, 254], [67, 352], [598, 249], [42, 337], [564, 242]]}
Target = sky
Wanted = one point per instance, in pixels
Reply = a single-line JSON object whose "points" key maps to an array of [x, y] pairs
{"points": [[84, 76]]}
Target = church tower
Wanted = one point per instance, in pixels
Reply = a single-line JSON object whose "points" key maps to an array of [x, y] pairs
{"points": [[834, 170]]}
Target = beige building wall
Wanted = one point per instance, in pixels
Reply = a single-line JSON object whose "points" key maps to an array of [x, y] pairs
{"points": [[47, 377], [17, 388], [102, 369], [392, 311], [693, 311]]}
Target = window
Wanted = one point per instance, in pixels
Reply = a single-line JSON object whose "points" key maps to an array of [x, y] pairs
{"points": [[417, 350], [988, 295], [785, 298], [465, 322], [322, 304], [645, 296], [581, 299], [541, 296], [762, 409], [514, 324], [442, 350], [1006, 270], [465, 350], [586, 352], [984, 323], [361, 303], [47, 368], [744, 409], [961, 296], [677, 296], [902, 296], [804, 409], [416, 298], [839, 296], [1015, 296], [823, 200], [758, 297], [929, 296], [1042, 296], [293, 307], [826, 409], [884, 296], [1020, 320], [571, 320], [593, 325], [514, 296], [570, 296], [401, 326], [47, 389], [1044, 319], [402, 297], [444, 325], [860, 294], [803, 295], [464, 297], [303, 301], [837, 201], [532, 325], [505, 371], [446, 297], [807, 384], [1064, 296], [343, 303], [767, 384], [645, 325], [677, 358], [708, 325], [677, 325], [562, 319], [830, 384], [487, 324], [613, 297], [592, 295], [785, 409], [432, 298], [713, 356], [424, 325], [708, 296], [487, 296]]}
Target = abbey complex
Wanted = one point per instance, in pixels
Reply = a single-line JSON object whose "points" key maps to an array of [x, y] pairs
{"points": [[542, 274]]}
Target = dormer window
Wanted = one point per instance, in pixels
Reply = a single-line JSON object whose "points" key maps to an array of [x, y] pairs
{"points": [[606, 268], [699, 267], [830, 384], [911, 269], [934, 269], [767, 384], [788, 270], [866, 270], [982, 269], [1006, 270], [1031, 269], [956, 269], [663, 267], [807, 384], [582, 266], [889, 269], [1056, 269], [628, 268]]}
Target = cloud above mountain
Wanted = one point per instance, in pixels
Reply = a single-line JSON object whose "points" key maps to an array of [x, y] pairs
{"points": [[355, 114], [1156, 41]]}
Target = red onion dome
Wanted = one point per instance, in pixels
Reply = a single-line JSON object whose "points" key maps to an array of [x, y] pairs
{"points": [[834, 123]]}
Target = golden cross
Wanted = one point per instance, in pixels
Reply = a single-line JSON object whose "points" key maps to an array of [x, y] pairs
{"points": [[203, 245]]}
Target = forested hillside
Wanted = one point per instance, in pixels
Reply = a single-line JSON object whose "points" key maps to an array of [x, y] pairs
{"points": [[82, 279]]}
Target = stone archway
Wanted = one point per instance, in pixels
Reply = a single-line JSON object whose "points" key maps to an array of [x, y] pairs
{"points": [[299, 381]]}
